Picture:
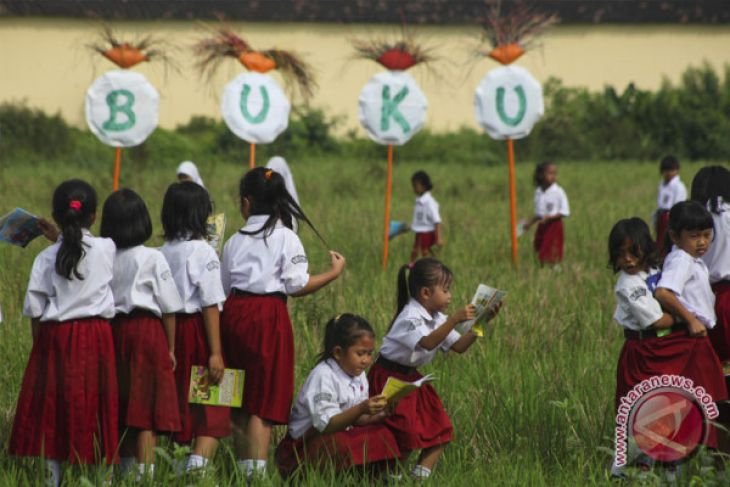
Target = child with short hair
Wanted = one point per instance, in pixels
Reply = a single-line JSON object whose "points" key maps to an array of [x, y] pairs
{"points": [[551, 206], [426, 221], [67, 408], [146, 300], [264, 263], [334, 421], [196, 271], [670, 192]]}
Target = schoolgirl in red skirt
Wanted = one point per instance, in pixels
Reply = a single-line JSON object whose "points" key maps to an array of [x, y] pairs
{"points": [[334, 423], [67, 409], [263, 263], [195, 270], [146, 300], [426, 223], [671, 191], [551, 206], [419, 330]]}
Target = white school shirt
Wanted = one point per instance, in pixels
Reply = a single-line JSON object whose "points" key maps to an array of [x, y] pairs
{"points": [[636, 308], [143, 279], [400, 345], [670, 193], [717, 256], [196, 271], [52, 297], [689, 279], [328, 391], [425, 214], [550, 202], [261, 265]]}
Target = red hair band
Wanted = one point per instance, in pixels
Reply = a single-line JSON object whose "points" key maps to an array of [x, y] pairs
{"points": [[75, 205]]}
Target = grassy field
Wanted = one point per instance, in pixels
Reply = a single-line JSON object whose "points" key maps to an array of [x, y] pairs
{"points": [[531, 402]]}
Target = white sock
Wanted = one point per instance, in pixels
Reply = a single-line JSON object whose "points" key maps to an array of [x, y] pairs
{"points": [[145, 469], [126, 464], [196, 461], [421, 472], [54, 472], [249, 466]]}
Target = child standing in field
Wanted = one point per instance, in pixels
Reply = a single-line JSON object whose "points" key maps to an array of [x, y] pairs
{"points": [[671, 191], [68, 405], [334, 421], [426, 217], [657, 343], [551, 206], [188, 171], [263, 263], [419, 330], [196, 271], [146, 300]]}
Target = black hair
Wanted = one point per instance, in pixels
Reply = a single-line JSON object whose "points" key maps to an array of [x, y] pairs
{"points": [[427, 272], [669, 163], [540, 169], [266, 192], [687, 215], [636, 231], [74, 208], [711, 187], [343, 331], [125, 219], [423, 178], [185, 210]]}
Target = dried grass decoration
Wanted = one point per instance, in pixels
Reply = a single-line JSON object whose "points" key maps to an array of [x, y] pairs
{"points": [[126, 54]]}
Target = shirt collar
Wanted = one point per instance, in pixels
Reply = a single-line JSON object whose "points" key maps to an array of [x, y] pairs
{"points": [[255, 222], [424, 195], [341, 374], [420, 310]]}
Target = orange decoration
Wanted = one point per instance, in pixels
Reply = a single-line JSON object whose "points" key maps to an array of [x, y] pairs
{"points": [[396, 59], [255, 61], [506, 53], [125, 56]]}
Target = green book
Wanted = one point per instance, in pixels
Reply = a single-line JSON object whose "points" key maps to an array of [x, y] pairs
{"points": [[228, 393]]}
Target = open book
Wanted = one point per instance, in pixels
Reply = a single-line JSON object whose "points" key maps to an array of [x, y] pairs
{"points": [[395, 389], [228, 393], [216, 230], [486, 300], [19, 227]]}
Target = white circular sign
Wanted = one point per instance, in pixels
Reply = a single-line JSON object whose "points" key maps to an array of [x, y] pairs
{"points": [[508, 103], [255, 108], [122, 108], [392, 108]]}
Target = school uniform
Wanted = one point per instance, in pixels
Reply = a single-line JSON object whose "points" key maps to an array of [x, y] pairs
{"points": [[144, 290], [328, 391], [196, 272], [668, 194], [717, 259], [549, 237], [259, 271], [425, 218], [68, 404], [420, 420]]}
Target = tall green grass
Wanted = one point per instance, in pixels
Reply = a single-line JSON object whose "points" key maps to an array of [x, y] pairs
{"points": [[531, 402]]}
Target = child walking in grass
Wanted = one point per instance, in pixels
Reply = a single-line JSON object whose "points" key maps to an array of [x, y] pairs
{"points": [[426, 221], [670, 192]]}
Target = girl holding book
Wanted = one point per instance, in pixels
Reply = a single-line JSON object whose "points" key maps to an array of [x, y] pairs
{"points": [[263, 263], [334, 421], [196, 271], [68, 405], [420, 329]]}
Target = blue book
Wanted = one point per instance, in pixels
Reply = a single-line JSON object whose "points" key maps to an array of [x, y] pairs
{"points": [[19, 227]]}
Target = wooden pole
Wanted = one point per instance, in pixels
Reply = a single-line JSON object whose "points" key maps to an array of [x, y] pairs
{"points": [[512, 201], [117, 168], [388, 191], [252, 156]]}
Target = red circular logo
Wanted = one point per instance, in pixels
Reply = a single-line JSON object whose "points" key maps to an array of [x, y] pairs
{"points": [[668, 425]]}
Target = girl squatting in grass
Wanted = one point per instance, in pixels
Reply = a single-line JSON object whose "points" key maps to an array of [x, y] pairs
{"points": [[263, 263], [334, 421], [656, 342], [68, 405], [146, 300], [418, 331], [196, 271]]}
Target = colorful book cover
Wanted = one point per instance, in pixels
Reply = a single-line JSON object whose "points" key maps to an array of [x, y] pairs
{"points": [[486, 299], [228, 393], [216, 231], [395, 389], [19, 227]]}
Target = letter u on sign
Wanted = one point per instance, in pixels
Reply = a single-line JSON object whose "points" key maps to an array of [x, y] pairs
{"points": [[265, 104], [521, 106]]}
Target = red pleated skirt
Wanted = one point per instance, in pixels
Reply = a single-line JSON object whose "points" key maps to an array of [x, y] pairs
{"points": [[420, 420], [422, 244], [147, 392], [191, 348], [258, 338], [720, 335], [68, 408], [360, 445], [549, 241], [662, 223]]}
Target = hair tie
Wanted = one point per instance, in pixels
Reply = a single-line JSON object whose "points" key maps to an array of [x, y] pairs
{"points": [[410, 265], [267, 174], [75, 205]]}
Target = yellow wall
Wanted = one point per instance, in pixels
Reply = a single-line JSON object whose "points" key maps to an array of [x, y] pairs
{"points": [[45, 62]]}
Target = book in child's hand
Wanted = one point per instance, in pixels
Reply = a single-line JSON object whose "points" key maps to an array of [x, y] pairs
{"points": [[486, 300], [19, 227], [228, 393], [216, 230], [395, 389]]}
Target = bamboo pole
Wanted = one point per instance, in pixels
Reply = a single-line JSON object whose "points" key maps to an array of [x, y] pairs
{"points": [[117, 168], [388, 191], [512, 201], [252, 156]]}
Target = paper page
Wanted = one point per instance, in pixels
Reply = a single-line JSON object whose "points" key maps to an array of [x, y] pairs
{"points": [[216, 231], [396, 389], [228, 393], [485, 300], [19, 227]]}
